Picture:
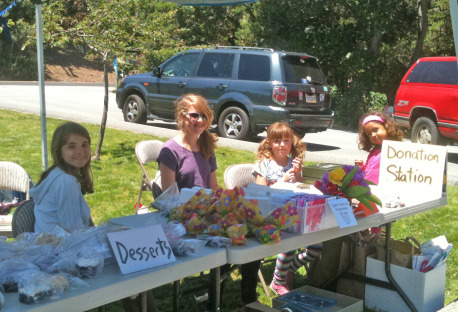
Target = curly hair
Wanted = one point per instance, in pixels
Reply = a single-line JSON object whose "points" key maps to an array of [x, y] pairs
{"points": [[393, 130], [206, 141], [278, 131], [59, 139]]}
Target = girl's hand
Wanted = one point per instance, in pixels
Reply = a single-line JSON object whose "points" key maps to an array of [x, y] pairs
{"points": [[359, 163], [289, 176]]}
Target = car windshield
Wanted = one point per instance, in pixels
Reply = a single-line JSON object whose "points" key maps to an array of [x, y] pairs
{"points": [[297, 68]]}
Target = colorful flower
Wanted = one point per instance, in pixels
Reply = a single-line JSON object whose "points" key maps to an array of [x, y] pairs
{"points": [[336, 176]]}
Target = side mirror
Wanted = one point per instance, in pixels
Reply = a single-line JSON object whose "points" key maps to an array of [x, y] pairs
{"points": [[157, 72]]}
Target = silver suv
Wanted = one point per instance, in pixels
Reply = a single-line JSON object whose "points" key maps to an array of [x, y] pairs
{"points": [[248, 89]]}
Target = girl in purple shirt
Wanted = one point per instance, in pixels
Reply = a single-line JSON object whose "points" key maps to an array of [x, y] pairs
{"points": [[189, 158]]}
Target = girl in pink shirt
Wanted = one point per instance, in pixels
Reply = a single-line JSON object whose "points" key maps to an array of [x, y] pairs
{"points": [[374, 127]]}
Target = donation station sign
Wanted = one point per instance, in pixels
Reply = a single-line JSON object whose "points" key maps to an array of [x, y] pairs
{"points": [[414, 171]]}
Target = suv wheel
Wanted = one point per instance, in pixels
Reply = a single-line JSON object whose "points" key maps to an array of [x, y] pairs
{"points": [[234, 123], [134, 109], [425, 131]]}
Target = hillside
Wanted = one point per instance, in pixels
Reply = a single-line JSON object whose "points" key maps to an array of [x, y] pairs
{"points": [[72, 66]]}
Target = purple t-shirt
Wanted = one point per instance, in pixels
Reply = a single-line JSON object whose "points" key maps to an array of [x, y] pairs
{"points": [[191, 168]]}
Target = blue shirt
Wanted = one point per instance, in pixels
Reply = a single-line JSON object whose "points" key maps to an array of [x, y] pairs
{"points": [[59, 201]]}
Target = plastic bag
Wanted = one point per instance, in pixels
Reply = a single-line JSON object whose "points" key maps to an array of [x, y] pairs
{"points": [[11, 271], [187, 247], [39, 286], [168, 200], [216, 241], [89, 262], [181, 247]]}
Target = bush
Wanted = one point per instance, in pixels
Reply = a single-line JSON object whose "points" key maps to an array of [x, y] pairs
{"points": [[17, 65], [350, 104]]}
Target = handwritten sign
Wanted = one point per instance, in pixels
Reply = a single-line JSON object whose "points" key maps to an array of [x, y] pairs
{"points": [[412, 170], [342, 211], [141, 249]]}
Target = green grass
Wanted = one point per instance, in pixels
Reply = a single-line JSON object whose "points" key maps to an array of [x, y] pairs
{"points": [[117, 180]]}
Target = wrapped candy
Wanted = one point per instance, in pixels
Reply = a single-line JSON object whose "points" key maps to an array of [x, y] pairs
{"points": [[237, 233], [268, 234]]}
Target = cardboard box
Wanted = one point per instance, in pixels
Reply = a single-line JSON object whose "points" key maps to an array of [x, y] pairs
{"points": [[317, 171], [315, 299], [425, 290]]}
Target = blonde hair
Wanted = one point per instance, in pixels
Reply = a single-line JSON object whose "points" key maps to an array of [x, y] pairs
{"points": [[206, 141], [393, 131], [278, 131]]}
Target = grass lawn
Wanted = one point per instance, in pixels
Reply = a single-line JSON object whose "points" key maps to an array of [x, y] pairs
{"points": [[117, 180]]}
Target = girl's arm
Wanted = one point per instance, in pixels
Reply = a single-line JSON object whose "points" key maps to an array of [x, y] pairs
{"points": [[168, 176], [213, 181], [261, 180]]}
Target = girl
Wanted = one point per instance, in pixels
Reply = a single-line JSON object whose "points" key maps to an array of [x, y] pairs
{"points": [[189, 158], [58, 195], [374, 127], [279, 158]]}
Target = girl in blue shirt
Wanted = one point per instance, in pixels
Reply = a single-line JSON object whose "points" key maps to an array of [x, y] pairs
{"points": [[58, 195]]}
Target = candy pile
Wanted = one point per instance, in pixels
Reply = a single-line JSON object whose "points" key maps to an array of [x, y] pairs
{"points": [[228, 213]]}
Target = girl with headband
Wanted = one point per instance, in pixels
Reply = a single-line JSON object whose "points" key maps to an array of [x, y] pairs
{"points": [[374, 127]]}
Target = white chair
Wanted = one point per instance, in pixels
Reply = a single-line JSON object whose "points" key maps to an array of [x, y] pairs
{"points": [[147, 152], [242, 175], [14, 178], [238, 175]]}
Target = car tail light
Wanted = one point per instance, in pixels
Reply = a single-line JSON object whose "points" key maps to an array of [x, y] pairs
{"points": [[280, 95]]}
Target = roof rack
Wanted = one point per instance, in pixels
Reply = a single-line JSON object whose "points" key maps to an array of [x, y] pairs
{"points": [[244, 48]]}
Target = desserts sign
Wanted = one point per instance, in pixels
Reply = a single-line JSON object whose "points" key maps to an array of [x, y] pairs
{"points": [[413, 170], [140, 249]]}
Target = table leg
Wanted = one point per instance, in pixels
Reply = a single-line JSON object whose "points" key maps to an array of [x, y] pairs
{"points": [[388, 270], [176, 286], [215, 275], [144, 301]]}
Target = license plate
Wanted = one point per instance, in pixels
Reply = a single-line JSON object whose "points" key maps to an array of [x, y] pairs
{"points": [[310, 98]]}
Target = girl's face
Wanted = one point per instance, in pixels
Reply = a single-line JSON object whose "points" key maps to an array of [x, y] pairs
{"points": [[77, 151], [194, 121], [376, 132], [281, 147]]}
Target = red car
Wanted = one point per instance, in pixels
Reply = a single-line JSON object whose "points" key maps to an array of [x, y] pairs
{"points": [[427, 100]]}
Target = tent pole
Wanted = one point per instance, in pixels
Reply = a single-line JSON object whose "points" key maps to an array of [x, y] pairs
{"points": [[454, 15], [41, 83]]}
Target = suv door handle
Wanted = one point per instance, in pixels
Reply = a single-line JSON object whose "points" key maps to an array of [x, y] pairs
{"points": [[181, 84], [221, 86]]}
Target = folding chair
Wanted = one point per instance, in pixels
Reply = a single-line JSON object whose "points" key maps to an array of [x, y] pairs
{"points": [[24, 218], [146, 152], [242, 175], [13, 178]]}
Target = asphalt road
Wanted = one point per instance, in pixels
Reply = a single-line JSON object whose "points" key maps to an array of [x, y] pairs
{"points": [[84, 103]]}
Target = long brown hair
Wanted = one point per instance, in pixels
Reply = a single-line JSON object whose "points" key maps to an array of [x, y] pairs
{"points": [[393, 131], [206, 141], [277, 131], [59, 139]]}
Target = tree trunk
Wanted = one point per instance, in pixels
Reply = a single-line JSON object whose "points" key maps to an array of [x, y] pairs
{"points": [[105, 109], [422, 9]]}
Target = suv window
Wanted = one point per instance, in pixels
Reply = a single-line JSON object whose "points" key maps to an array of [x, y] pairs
{"points": [[216, 65], [254, 67], [435, 72], [298, 67], [181, 66]]}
